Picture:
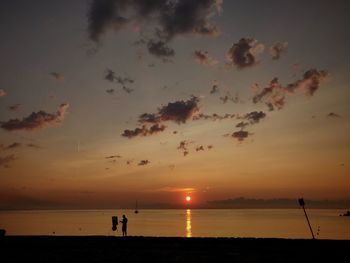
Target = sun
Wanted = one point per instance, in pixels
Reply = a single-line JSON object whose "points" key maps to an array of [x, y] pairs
{"points": [[188, 198]]}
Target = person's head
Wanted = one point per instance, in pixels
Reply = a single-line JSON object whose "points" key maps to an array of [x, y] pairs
{"points": [[123, 216]]}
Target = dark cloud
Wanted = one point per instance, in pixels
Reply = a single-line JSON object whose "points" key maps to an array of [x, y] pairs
{"points": [[183, 147], [254, 116], [178, 111], [160, 49], [36, 120], [242, 124], [2, 93], [57, 76], [214, 88], [229, 97], [4, 161], [310, 82], [113, 156], [123, 81], [143, 162], [144, 131], [214, 116], [199, 148], [172, 18], [14, 107], [277, 49], [333, 115], [244, 53], [203, 58], [110, 91], [273, 88], [240, 135]]}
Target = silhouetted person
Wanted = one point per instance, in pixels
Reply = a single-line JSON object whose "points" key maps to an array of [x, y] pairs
{"points": [[124, 225]]}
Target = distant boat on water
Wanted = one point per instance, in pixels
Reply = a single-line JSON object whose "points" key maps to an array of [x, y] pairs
{"points": [[136, 211]]}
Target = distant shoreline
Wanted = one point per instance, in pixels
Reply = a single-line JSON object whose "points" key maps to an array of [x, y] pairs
{"points": [[169, 249]]}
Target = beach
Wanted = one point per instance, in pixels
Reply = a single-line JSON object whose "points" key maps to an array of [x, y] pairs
{"points": [[169, 249]]}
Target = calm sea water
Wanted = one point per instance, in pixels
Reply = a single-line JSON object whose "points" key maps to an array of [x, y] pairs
{"points": [[283, 223]]}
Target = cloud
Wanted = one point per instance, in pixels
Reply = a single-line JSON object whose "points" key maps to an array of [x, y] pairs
{"points": [[171, 18], [277, 49], [229, 97], [242, 124], [274, 95], [215, 87], [110, 91], [4, 161], [143, 131], [199, 148], [240, 135], [36, 120], [113, 156], [214, 116], [14, 107], [143, 162], [178, 112], [310, 82], [333, 115], [203, 58], [123, 81], [183, 147], [127, 90], [244, 53], [160, 49], [2, 93], [57, 76], [254, 116]]}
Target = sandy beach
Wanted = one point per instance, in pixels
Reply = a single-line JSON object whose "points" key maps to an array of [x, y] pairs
{"points": [[169, 249]]}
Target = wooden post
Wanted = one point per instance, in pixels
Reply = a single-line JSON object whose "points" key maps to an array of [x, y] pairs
{"points": [[302, 204]]}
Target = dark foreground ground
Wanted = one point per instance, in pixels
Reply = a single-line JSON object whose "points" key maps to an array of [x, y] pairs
{"points": [[162, 249]]}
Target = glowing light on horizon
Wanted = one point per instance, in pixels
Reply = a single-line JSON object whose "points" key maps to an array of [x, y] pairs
{"points": [[188, 198]]}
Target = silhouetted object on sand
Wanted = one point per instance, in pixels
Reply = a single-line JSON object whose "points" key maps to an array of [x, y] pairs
{"points": [[302, 204], [346, 214], [124, 222], [136, 211], [2, 233], [114, 223]]}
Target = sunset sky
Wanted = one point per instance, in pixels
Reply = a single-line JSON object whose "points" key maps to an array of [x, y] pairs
{"points": [[107, 102]]}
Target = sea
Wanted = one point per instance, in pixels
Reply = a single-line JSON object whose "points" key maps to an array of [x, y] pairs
{"points": [[256, 223]]}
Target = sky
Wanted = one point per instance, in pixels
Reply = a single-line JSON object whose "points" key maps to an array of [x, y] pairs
{"points": [[111, 101]]}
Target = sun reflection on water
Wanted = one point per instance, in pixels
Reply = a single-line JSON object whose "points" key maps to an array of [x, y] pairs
{"points": [[188, 223]]}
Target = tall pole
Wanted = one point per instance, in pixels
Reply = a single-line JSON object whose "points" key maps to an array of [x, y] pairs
{"points": [[302, 204]]}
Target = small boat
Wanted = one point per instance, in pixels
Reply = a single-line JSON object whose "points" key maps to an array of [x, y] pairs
{"points": [[136, 211]]}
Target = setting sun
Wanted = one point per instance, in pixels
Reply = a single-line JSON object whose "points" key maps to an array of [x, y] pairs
{"points": [[188, 198]]}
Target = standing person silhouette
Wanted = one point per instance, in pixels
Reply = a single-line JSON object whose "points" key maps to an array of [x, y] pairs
{"points": [[124, 225]]}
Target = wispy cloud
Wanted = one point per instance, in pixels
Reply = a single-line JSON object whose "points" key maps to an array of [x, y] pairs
{"points": [[36, 120], [203, 58], [277, 49]]}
